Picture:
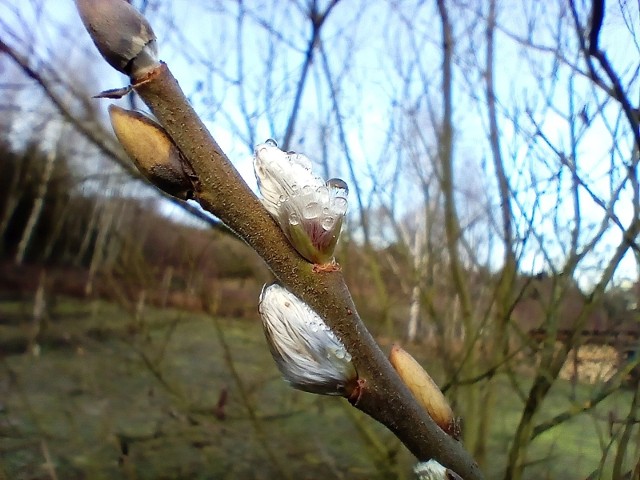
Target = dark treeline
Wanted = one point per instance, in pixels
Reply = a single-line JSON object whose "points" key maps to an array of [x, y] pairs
{"points": [[93, 241]]}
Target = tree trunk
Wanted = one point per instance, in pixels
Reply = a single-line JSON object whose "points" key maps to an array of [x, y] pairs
{"points": [[12, 198], [504, 290], [36, 209], [104, 228], [452, 224]]}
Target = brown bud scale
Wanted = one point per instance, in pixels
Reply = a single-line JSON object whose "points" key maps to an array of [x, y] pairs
{"points": [[152, 151], [424, 389]]}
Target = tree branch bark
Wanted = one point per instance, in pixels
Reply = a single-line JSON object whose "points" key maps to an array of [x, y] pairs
{"points": [[222, 191]]}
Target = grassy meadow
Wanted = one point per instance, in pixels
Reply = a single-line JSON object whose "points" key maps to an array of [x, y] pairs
{"points": [[168, 394]]}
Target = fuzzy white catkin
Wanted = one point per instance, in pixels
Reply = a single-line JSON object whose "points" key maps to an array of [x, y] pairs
{"points": [[308, 354], [280, 175], [309, 210], [432, 470]]}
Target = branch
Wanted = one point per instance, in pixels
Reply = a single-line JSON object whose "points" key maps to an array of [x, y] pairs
{"points": [[617, 91], [597, 16], [317, 20], [335, 106], [221, 190], [612, 386]]}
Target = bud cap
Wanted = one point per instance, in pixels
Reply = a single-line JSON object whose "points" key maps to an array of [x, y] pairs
{"points": [[152, 151], [123, 36], [424, 389]]}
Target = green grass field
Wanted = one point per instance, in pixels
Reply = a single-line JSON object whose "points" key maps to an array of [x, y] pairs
{"points": [[106, 382]]}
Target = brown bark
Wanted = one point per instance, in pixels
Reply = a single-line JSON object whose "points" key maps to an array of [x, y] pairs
{"points": [[221, 191]]}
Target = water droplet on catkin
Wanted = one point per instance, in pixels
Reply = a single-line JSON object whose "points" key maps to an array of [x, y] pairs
{"points": [[323, 194], [311, 210], [328, 223], [338, 184], [340, 205], [294, 219], [271, 142]]}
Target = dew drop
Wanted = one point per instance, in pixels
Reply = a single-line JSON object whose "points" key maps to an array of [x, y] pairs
{"points": [[293, 218], [294, 187], [281, 199], [323, 194], [271, 142], [338, 184], [325, 210], [311, 210], [307, 190], [328, 223], [347, 357], [340, 205], [340, 353]]}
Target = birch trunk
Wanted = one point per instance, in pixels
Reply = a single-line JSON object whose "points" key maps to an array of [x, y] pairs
{"points": [[36, 210], [104, 227], [13, 196]]}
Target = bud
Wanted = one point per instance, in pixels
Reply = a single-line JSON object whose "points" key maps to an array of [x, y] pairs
{"points": [[152, 151], [424, 389], [309, 210], [308, 354], [123, 37], [432, 470]]}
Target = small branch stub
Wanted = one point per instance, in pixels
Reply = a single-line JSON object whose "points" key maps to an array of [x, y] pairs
{"points": [[123, 37], [424, 389], [153, 152]]}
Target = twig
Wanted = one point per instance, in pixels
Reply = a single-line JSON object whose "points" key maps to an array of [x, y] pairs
{"points": [[617, 91], [48, 465], [222, 191]]}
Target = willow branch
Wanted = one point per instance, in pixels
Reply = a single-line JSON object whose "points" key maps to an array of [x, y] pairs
{"points": [[221, 191]]}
